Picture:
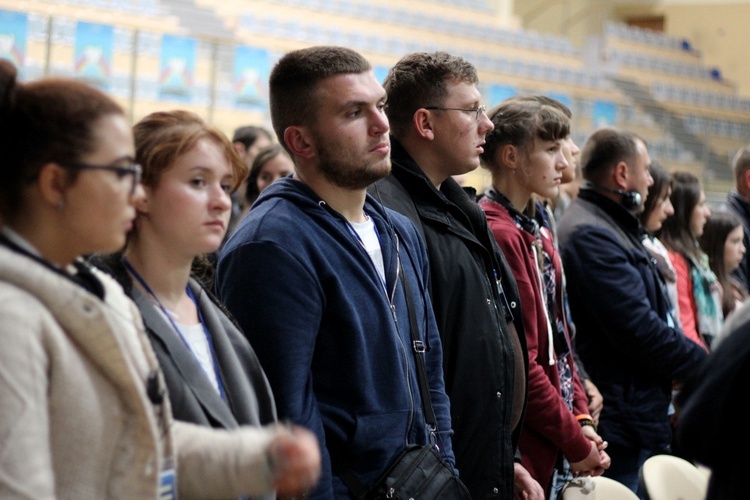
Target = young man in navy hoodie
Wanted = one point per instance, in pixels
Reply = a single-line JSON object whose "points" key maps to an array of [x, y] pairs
{"points": [[315, 276]]}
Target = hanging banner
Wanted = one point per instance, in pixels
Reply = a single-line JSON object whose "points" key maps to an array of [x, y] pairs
{"points": [[499, 93], [563, 98], [380, 73], [93, 53], [251, 71], [177, 68], [605, 113], [13, 30]]}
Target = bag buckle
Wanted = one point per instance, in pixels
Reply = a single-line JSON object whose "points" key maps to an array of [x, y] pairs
{"points": [[418, 346]]}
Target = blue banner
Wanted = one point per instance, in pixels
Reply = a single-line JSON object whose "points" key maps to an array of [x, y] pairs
{"points": [[604, 114], [13, 31], [563, 98], [177, 68], [252, 68], [380, 73], [499, 93], [93, 53]]}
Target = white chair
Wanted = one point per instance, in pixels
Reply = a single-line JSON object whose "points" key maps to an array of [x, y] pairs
{"points": [[667, 477], [596, 488]]}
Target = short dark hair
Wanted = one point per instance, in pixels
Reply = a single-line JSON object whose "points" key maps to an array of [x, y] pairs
{"points": [[662, 182], [248, 134], [604, 149], [518, 121], [48, 120], [419, 80], [294, 80]]}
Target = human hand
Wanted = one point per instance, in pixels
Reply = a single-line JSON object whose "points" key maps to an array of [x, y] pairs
{"points": [[594, 464], [590, 433], [525, 486], [294, 455], [596, 400]]}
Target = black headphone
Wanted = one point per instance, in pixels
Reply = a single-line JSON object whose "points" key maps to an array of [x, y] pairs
{"points": [[630, 199]]}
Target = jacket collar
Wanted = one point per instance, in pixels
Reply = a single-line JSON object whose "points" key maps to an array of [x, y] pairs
{"points": [[430, 201], [99, 328], [737, 201], [190, 370], [619, 214]]}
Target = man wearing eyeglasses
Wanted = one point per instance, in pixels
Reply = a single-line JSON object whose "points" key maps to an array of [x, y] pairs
{"points": [[438, 125]]}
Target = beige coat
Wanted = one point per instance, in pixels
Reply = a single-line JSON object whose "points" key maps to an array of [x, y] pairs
{"points": [[75, 418]]}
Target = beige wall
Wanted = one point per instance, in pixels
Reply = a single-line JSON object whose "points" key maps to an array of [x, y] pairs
{"points": [[576, 19], [720, 32]]}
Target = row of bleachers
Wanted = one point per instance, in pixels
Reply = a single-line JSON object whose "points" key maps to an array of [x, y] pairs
{"points": [[478, 5], [717, 127], [711, 102], [663, 65], [444, 24], [145, 14], [142, 7], [696, 97], [312, 33], [647, 37]]}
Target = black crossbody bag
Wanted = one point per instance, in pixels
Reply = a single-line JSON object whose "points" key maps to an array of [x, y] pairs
{"points": [[419, 472]]}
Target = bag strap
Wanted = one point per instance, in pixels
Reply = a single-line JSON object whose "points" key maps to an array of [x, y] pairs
{"points": [[349, 478], [419, 347]]}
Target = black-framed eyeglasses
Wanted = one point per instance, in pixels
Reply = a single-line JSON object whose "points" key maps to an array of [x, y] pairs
{"points": [[134, 170], [478, 110]]}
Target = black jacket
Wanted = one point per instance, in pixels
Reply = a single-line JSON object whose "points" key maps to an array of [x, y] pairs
{"points": [[713, 426], [478, 347], [619, 305], [741, 207]]}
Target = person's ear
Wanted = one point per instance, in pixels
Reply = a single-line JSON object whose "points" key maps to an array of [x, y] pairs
{"points": [[509, 156], [240, 148], [423, 124], [300, 142], [620, 175], [52, 182], [746, 180], [141, 201]]}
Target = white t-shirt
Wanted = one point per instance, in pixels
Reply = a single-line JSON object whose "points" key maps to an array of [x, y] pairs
{"points": [[369, 239]]}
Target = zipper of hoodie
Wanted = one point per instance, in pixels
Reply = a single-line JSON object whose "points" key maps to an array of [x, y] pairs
{"points": [[404, 349], [390, 296]]}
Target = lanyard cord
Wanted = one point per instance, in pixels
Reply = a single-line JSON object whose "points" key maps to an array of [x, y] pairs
{"points": [[209, 340]]}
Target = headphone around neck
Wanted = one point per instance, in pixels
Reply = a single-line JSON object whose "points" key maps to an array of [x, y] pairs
{"points": [[629, 199]]}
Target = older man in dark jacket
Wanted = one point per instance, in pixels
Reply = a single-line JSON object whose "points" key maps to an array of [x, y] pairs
{"points": [[738, 201], [626, 337], [438, 128]]}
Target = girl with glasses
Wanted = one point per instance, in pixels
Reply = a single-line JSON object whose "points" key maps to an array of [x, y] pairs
{"points": [[84, 410]]}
